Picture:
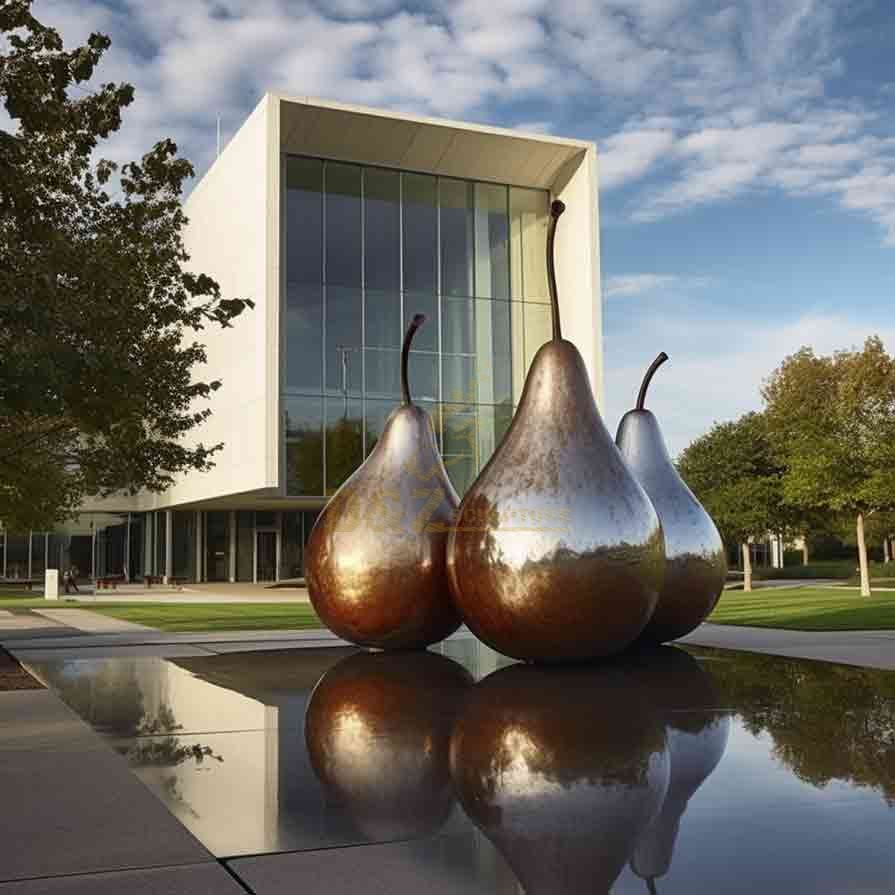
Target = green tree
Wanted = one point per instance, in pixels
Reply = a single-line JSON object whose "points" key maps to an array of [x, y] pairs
{"points": [[732, 471], [832, 426], [97, 310]]}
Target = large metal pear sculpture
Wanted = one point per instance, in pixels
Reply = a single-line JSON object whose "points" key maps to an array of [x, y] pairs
{"points": [[563, 770], [375, 561], [378, 731], [695, 567], [557, 553]]}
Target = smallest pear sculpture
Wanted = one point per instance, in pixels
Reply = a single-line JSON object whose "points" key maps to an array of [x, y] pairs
{"points": [[376, 559], [695, 567]]}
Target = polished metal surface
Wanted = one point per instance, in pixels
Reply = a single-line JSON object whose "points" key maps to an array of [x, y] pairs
{"points": [[557, 553], [563, 770], [695, 565], [375, 561], [378, 731], [802, 799]]}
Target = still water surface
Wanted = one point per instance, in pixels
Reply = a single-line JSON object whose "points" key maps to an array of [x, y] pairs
{"points": [[670, 771]]}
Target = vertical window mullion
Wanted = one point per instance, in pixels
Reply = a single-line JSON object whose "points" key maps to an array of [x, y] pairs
{"points": [[323, 323]]}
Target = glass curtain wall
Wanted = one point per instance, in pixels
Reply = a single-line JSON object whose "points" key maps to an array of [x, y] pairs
{"points": [[366, 249]]}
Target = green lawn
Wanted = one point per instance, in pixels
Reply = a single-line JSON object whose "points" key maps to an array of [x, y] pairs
{"points": [[192, 616], [213, 616], [807, 609]]}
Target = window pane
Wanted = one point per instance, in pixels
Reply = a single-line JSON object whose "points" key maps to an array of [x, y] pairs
{"points": [[459, 421], [538, 323], [461, 471], [245, 545], [304, 220], [184, 544], [500, 354], [492, 250], [38, 554], [343, 224], [343, 341], [217, 545], [304, 446], [420, 228], [291, 546], [383, 371], [426, 338], [382, 244], [459, 371], [382, 320], [457, 235], [377, 412], [304, 337], [422, 373], [17, 556], [344, 441], [458, 326], [529, 217]]}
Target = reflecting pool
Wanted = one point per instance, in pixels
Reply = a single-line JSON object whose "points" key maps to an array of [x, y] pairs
{"points": [[673, 771]]}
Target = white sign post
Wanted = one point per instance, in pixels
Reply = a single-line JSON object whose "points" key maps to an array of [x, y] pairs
{"points": [[51, 584]]}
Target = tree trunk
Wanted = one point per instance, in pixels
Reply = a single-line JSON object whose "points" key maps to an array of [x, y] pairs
{"points": [[862, 557], [885, 549], [804, 550], [747, 568]]}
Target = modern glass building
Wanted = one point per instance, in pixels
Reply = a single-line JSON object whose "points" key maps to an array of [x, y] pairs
{"points": [[341, 224]]}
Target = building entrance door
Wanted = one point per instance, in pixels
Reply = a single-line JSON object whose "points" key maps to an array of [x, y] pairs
{"points": [[265, 556]]}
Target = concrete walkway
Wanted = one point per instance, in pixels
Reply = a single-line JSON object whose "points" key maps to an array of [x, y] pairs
{"points": [[868, 649], [91, 622]]}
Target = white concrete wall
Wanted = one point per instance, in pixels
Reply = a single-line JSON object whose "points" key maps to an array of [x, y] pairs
{"points": [[230, 236], [578, 263]]}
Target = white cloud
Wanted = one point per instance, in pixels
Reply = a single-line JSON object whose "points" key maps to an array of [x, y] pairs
{"points": [[718, 100], [716, 365], [629, 285]]}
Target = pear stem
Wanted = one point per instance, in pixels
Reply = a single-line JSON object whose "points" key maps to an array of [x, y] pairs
{"points": [[648, 378], [556, 209], [651, 886], [415, 324]]}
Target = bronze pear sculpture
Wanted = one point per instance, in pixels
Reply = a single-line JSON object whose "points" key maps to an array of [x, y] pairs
{"points": [[557, 553], [378, 730], [563, 770], [695, 566], [376, 558], [697, 729]]}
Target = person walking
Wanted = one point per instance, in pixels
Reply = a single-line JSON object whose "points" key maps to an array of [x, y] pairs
{"points": [[73, 576]]}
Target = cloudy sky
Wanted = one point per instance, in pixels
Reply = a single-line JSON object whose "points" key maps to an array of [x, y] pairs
{"points": [[747, 149]]}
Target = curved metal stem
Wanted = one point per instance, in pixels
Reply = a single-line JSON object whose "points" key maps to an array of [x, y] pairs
{"points": [[556, 209], [415, 324], [648, 378]]}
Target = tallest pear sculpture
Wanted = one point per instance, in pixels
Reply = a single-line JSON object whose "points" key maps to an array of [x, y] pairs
{"points": [[557, 553]]}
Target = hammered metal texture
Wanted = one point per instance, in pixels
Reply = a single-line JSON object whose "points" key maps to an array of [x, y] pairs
{"points": [[378, 730], [563, 769], [695, 565], [557, 553], [375, 561]]}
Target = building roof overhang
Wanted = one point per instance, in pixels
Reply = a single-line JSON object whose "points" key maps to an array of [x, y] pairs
{"points": [[428, 145]]}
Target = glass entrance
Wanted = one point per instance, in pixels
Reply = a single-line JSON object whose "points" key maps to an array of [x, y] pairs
{"points": [[265, 556]]}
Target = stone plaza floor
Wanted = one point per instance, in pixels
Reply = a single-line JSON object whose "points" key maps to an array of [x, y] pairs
{"points": [[284, 762]]}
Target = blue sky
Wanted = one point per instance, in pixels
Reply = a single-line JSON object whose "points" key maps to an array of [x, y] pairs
{"points": [[747, 149]]}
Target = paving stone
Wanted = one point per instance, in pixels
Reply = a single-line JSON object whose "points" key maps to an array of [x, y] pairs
{"points": [[72, 804], [395, 868], [193, 879]]}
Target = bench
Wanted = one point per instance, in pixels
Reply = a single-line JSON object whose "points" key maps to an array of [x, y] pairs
{"points": [[27, 583], [105, 582]]}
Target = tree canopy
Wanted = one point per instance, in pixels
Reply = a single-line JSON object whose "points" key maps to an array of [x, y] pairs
{"points": [[98, 310], [832, 427]]}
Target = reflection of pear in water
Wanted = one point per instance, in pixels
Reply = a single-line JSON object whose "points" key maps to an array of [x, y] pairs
{"points": [[557, 552], [697, 737], [695, 566], [562, 769], [378, 730], [375, 561]]}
